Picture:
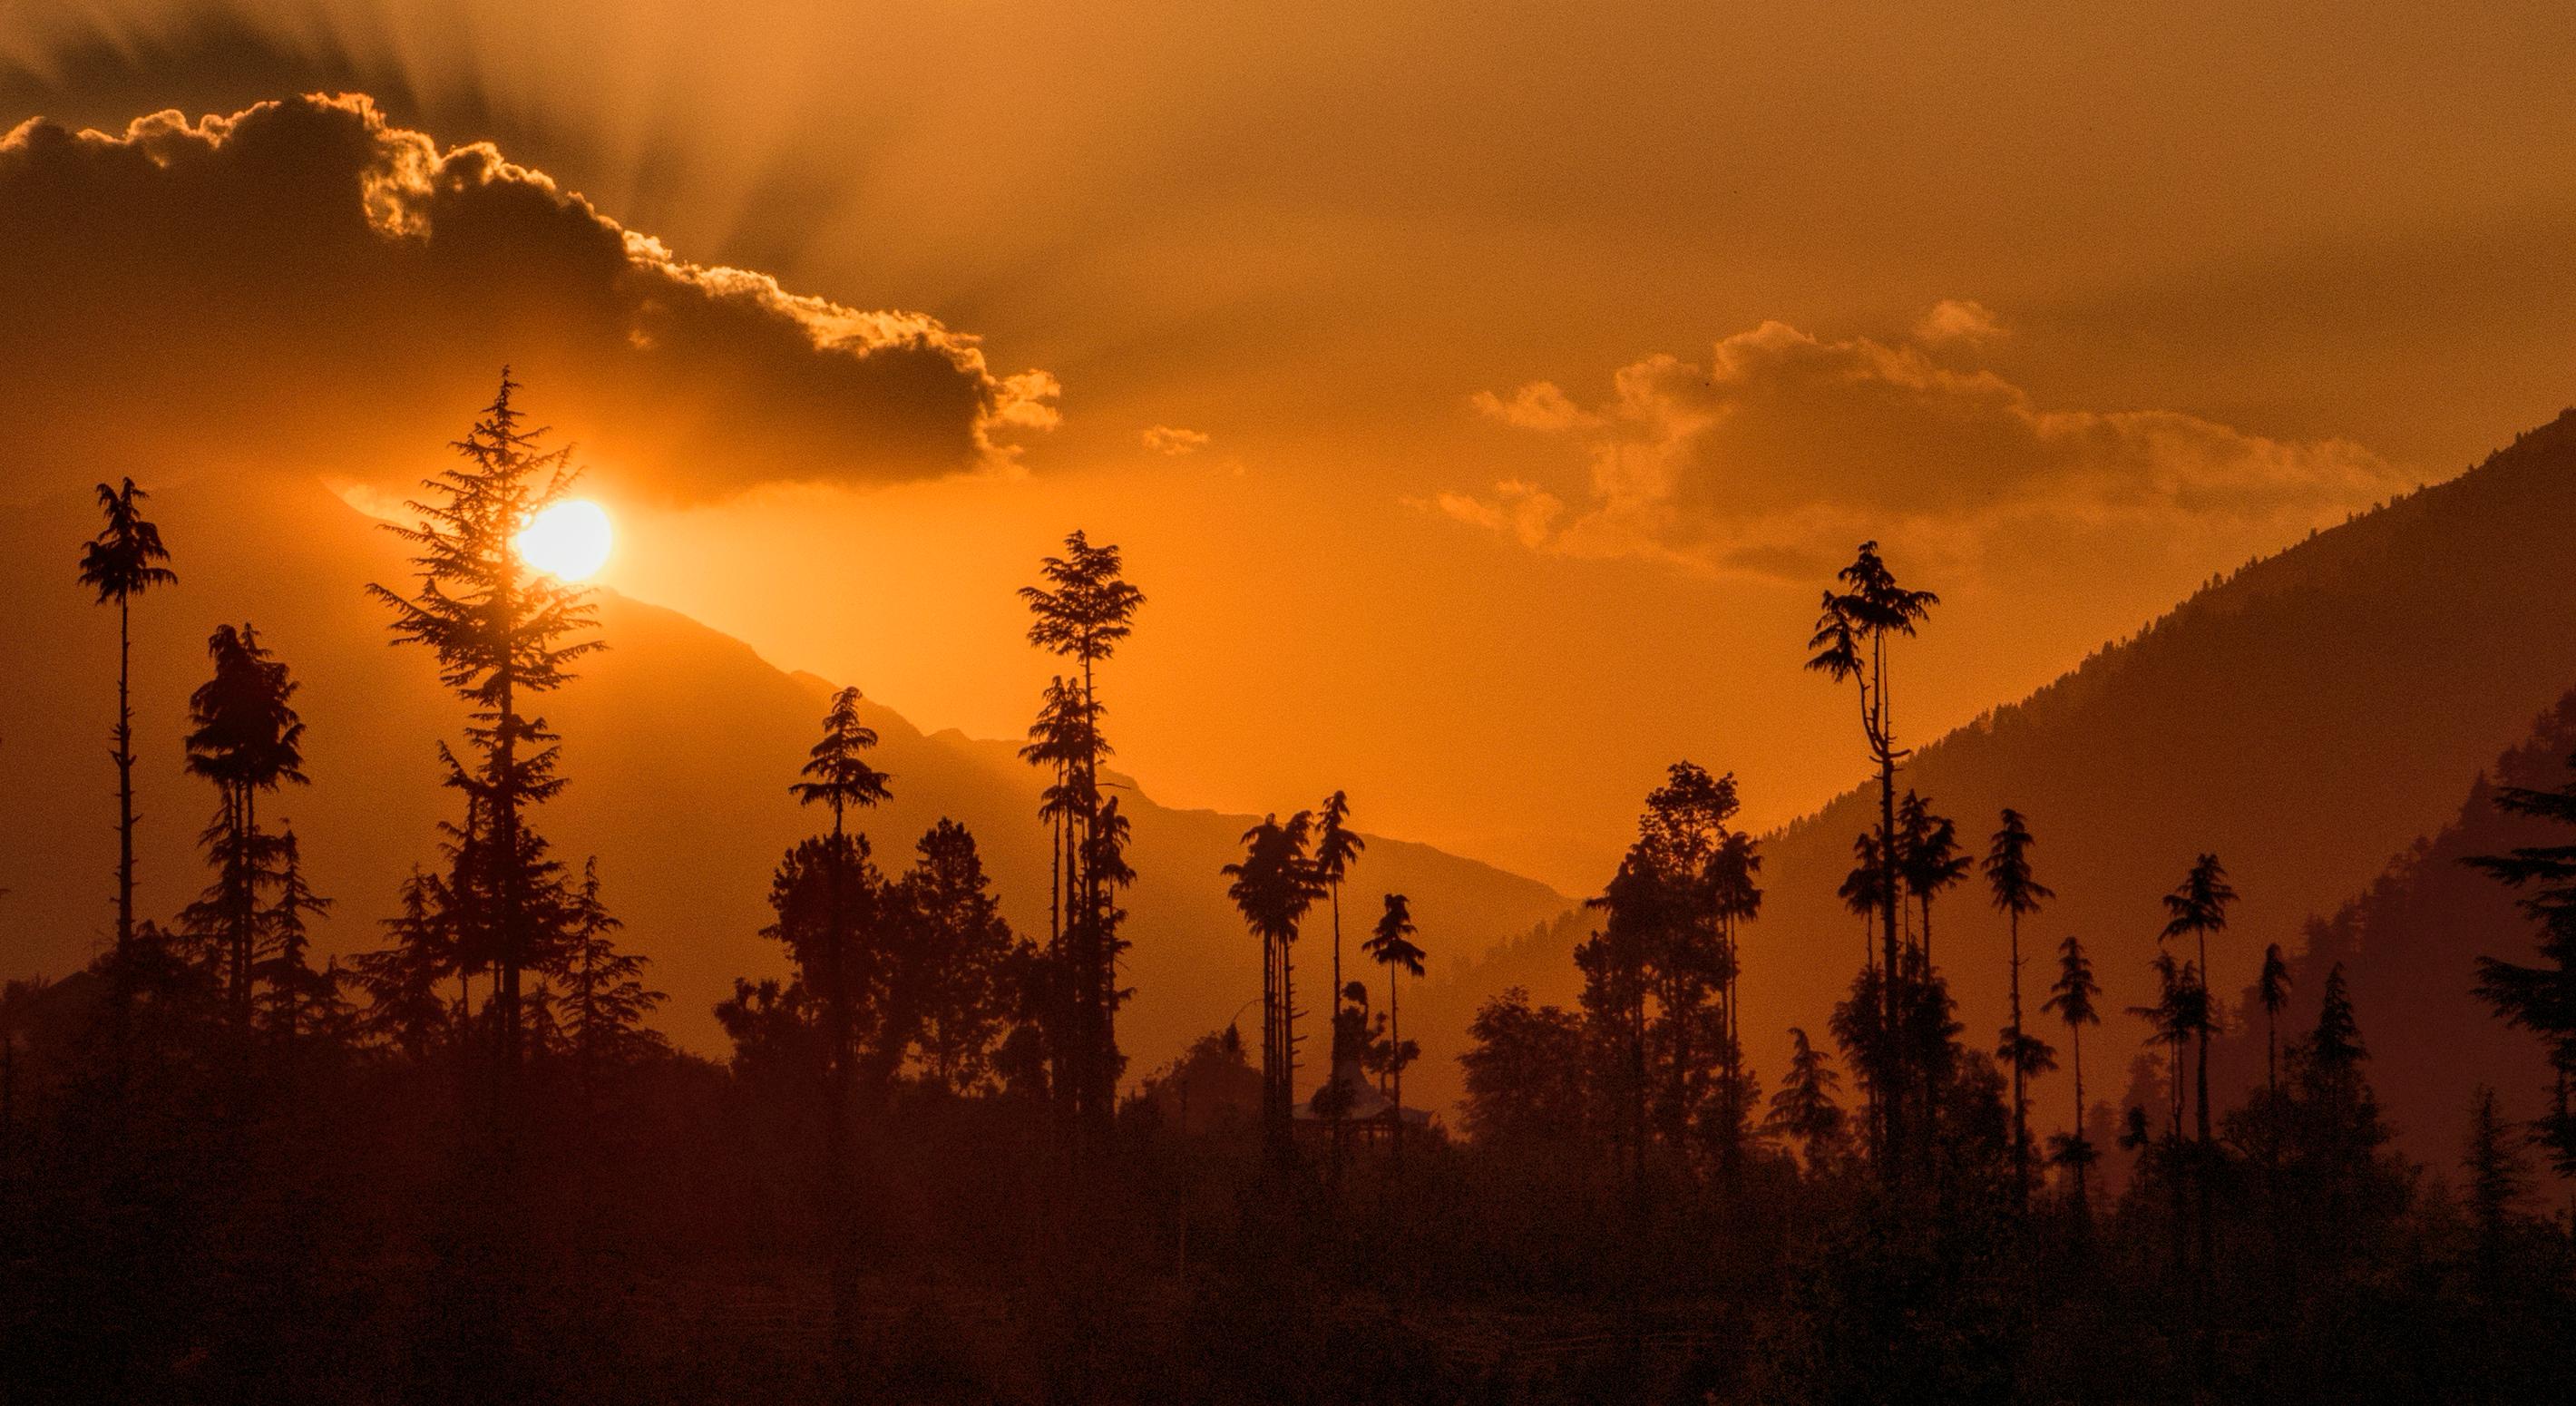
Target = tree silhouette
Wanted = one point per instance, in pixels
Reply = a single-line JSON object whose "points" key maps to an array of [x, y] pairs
{"points": [[2072, 997], [301, 1002], [1736, 898], [836, 769], [1804, 1108], [2197, 908], [605, 999], [1273, 886], [2272, 988], [502, 635], [2171, 1021], [1863, 892], [2496, 1173], [1062, 737], [2541, 996], [2337, 1132], [1082, 611], [405, 1008], [1619, 979], [1930, 859], [1391, 945], [1684, 949], [827, 896], [1524, 1075], [246, 738], [824, 894], [958, 959], [1337, 847], [123, 562], [2016, 893], [1851, 642]]}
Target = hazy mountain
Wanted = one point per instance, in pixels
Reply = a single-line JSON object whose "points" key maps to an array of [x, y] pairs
{"points": [[2409, 946], [2303, 718], [679, 741]]}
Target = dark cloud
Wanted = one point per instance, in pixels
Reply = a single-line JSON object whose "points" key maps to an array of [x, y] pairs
{"points": [[304, 283]]}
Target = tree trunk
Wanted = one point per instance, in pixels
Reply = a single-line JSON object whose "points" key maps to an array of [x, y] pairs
{"points": [[2205, 1157], [124, 777], [2021, 1107], [1395, 1056], [1892, 1111], [2083, 1207]]}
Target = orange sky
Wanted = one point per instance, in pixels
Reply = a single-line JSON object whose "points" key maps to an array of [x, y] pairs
{"points": [[1543, 355]]}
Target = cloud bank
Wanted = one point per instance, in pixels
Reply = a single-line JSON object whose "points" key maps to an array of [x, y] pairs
{"points": [[306, 285], [1786, 448]]}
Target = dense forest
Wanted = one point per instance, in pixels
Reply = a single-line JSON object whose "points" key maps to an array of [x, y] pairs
{"points": [[463, 1164]]}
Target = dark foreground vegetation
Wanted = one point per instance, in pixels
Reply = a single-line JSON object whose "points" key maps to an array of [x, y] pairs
{"points": [[461, 1167]]}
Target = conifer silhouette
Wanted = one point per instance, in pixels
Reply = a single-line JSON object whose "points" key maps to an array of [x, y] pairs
{"points": [[2541, 996], [1851, 643], [1274, 884], [406, 1009], [301, 1002], [2072, 996], [123, 562], [503, 635], [2016, 893], [1391, 944], [2197, 908], [2272, 989], [1805, 1108], [1084, 609], [1337, 847], [246, 739]]}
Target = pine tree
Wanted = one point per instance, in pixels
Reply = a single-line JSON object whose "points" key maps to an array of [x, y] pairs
{"points": [[301, 1002], [1083, 611], [1391, 944], [503, 635], [1337, 847], [2016, 893], [1804, 1108], [828, 903], [2497, 1172], [246, 738], [2272, 988], [2541, 996], [2198, 908], [604, 999], [2073, 997], [1930, 859], [1851, 642], [958, 958], [1064, 734], [1273, 886], [123, 562], [405, 1008]]}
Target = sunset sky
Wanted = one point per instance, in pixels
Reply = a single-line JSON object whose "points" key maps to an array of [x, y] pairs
{"points": [[1482, 393]]}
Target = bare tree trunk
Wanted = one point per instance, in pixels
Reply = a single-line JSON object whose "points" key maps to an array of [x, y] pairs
{"points": [[124, 778]]}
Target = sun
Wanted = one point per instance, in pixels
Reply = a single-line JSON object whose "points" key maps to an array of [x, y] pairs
{"points": [[568, 541]]}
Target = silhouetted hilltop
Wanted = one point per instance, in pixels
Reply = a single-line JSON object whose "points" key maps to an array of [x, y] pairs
{"points": [[679, 742], [2303, 718]]}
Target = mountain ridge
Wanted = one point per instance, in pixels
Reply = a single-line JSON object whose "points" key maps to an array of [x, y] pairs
{"points": [[2304, 716]]}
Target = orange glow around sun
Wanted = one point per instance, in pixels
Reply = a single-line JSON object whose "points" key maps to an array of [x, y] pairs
{"points": [[569, 541]]}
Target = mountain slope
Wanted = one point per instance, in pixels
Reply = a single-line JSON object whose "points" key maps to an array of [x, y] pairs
{"points": [[679, 742], [2304, 719], [2409, 945]]}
